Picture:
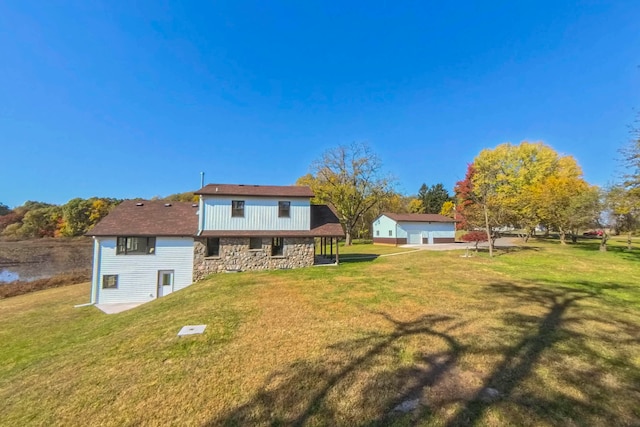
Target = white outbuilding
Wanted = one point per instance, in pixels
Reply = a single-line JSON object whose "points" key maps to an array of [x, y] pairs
{"points": [[415, 229]]}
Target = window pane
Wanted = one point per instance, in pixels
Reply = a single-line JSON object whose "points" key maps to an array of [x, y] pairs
{"points": [[121, 247], [151, 245], [167, 279], [213, 246], [284, 209], [277, 246], [110, 281], [237, 208], [255, 243]]}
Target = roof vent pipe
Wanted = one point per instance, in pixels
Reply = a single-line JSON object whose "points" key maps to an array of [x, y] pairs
{"points": [[201, 179], [139, 204]]}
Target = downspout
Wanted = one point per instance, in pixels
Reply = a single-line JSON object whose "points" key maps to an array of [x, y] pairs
{"points": [[95, 277], [200, 215]]}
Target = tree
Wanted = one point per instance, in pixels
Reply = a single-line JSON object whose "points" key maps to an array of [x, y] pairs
{"points": [[350, 178], [41, 222], [4, 209], [476, 237], [501, 181], [467, 213], [76, 214], [416, 206], [565, 201], [433, 198], [624, 209], [448, 209]]}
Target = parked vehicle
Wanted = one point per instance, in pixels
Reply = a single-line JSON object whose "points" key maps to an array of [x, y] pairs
{"points": [[593, 233]]}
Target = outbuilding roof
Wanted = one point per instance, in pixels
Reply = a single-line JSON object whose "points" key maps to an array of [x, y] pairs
{"points": [[418, 217], [149, 218], [255, 190]]}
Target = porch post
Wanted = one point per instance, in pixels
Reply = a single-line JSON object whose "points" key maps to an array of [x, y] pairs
{"points": [[337, 252]]}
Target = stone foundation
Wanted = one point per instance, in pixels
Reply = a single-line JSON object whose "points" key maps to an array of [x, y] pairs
{"points": [[235, 255]]}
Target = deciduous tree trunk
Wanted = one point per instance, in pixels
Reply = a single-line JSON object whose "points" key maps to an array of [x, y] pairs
{"points": [[486, 224]]}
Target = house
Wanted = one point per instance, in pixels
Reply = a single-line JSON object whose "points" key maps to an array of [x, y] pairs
{"points": [[147, 249], [400, 229]]}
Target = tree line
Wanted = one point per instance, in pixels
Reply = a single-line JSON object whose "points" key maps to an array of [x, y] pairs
{"points": [[38, 219], [527, 187]]}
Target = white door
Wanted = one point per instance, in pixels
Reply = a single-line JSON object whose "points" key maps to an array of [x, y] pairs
{"points": [[165, 282], [415, 238]]}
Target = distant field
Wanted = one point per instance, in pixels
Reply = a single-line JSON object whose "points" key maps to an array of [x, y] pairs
{"points": [[554, 330]]}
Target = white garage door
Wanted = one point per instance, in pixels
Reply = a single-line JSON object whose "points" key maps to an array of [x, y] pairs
{"points": [[414, 238]]}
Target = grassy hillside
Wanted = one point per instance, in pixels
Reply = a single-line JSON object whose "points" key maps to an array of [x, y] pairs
{"points": [[556, 330]]}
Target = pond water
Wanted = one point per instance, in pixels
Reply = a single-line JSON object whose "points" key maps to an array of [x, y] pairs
{"points": [[42, 258], [8, 276]]}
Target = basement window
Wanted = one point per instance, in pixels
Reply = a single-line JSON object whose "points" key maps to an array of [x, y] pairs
{"points": [[377, 232], [136, 246], [255, 243], [110, 281], [277, 246], [213, 246]]}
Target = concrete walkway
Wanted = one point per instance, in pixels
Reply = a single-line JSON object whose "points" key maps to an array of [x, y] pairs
{"points": [[117, 308]]}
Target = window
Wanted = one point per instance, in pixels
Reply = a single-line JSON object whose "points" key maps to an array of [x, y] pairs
{"points": [[377, 232], [237, 208], [390, 233], [213, 246], [284, 209], [166, 277], [255, 243], [136, 245], [110, 281], [277, 246]]}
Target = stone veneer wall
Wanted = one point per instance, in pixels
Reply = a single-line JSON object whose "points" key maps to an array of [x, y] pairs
{"points": [[236, 255]]}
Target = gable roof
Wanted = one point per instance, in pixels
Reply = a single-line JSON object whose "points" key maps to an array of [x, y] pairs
{"points": [[325, 222], [418, 217], [255, 190], [152, 218]]}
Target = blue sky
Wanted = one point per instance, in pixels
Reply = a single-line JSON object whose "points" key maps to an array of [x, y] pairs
{"points": [[135, 99]]}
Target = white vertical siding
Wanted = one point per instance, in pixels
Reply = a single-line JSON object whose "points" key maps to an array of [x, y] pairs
{"points": [[427, 229], [138, 274], [260, 213], [384, 224]]}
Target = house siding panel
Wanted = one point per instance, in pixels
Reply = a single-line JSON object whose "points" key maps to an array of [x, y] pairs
{"points": [[138, 274], [259, 214], [385, 224]]}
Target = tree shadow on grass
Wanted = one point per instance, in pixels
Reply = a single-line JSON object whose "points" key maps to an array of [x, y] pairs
{"points": [[583, 389], [551, 369], [312, 392]]}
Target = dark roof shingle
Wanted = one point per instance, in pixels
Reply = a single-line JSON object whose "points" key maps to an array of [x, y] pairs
{"points": [[255, 190], [153, 218], [418, 217]]}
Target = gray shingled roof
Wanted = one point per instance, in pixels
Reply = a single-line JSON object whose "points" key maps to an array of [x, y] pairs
{"points": [[152, 218]]}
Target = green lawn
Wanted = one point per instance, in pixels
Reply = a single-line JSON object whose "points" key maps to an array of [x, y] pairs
{"points": [[555, 329]]}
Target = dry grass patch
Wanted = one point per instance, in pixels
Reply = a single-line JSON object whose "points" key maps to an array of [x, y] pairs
{"points": [[553, 329]]}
